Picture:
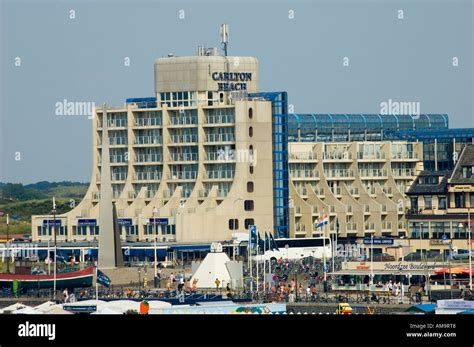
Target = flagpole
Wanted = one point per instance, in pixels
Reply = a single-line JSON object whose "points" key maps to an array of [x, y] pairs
{"points": [[256, 260], [55, 247], [264, 263]]}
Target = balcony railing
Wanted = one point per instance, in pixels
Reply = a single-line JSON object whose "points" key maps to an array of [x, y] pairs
{"points": [[122, 176], [301, 191], [303, 156], [116, 141], [185, 120], [148, 140], [219, 174], [371, 156], [223, 156], [353, 190], [116, 194], [183, 175], [204, 193], [348, 209], [403, 172], [220, 137], [184, 156], [351, 226], [148, 122], [314, 210], [148, 176], [337, 156], [386, 225], [183, 138], [297, 210], [402, 226], [96, 195], [405, 155], [366, 208], [338, 173], [300, 227], [372, 172], [369, 226], [304, 173], [220, 119], [149, 158]]}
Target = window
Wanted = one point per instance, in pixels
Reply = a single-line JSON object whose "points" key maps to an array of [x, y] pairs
{"points": [[472, 199], [250, 113], [250, 131], [249, 222], [221, 97], [414, 203], [459, 200], [248, 205], [251, 169], [428, 202], [233, 224], [249, 187], [466, 171], [442, 202]]}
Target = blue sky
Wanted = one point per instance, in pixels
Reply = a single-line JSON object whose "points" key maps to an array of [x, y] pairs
{"points": [[82, 59]]}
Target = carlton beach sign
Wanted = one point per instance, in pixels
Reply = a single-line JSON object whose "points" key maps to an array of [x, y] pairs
{"points": [[230, 81]]}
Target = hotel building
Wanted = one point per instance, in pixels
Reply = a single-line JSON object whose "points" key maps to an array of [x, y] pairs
{"points": [[195, 163], [208, 155]]}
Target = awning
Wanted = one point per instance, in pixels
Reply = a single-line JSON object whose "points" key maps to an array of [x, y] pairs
{"points": [[190, 248]]}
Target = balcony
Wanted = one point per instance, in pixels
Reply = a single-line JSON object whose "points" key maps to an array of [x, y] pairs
{"points": [[332, 209], [148, 140], [319, 191], [148, 122], [369, 227], [204, 193], [314, 210], [353, 191], [132, 195], [122, 176], [337, 156], [221, 156], [409, 173], [339, 173], [304, 174], [372, 173], [150, 194], [384, 209], [387, 226], [220, 119], [348, 209], [149, 158], [184, 156], [299, 228], [183, 175], [351, 227], [404, 156], [366, 209], [117, 141], [220, 137], [219, 174], [336, 191], [371, 156], [302, 191], [179, 139], [116, 194], [402, 226], [298, 211], [95, 195], [387, 190], [303, 156], [116, 123], [148, 176], [184, 120]]}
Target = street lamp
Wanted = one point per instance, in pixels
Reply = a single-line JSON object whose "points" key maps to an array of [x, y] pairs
{"points": [[8, 243]]}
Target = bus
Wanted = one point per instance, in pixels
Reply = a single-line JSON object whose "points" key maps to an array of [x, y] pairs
{"points": [[296, 249]]}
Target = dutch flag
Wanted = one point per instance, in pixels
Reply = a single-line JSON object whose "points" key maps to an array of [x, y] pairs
{"points": [[322, 222]]}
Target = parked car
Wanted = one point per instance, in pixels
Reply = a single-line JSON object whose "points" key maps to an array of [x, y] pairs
{"points": [[462, 254], [383, 257]]}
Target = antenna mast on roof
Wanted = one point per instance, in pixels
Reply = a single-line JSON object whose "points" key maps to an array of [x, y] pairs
{"points": [[224, 37]]}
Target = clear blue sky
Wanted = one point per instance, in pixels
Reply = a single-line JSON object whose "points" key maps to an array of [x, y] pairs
{"points": [[82, 60]]}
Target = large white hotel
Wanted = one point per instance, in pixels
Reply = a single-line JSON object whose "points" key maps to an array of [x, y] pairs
{"points": [[209, 155]]}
